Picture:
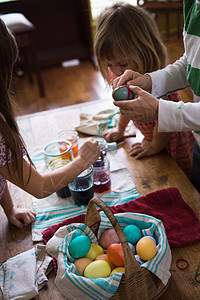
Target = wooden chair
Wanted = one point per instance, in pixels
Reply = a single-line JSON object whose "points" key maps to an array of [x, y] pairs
{"points": [[165, 7], [23, 30]]}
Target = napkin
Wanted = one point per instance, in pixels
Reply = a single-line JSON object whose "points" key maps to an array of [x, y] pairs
{"points": [[22, 276]]}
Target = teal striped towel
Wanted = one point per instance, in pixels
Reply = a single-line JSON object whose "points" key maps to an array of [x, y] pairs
{"points": [[53, 209], [73, 286]]}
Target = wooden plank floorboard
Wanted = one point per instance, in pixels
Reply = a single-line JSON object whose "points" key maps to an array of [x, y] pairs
{"points": [[73, 85]]}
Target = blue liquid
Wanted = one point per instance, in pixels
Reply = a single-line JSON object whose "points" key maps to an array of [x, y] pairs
{"points": [[82, 196]]}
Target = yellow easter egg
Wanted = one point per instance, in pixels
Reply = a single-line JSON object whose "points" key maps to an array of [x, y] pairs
{"points": [[104, 256], [94, 251], [117, 270], [81, 264], [97, 269], [146, 248]]}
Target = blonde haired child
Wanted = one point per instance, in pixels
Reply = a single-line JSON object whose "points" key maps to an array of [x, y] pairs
{"points": [[127, 37], [15, 164]]}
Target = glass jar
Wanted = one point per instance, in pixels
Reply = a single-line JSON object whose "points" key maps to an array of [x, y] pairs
{"points": [[101, 175], [57, 154], [70, 135], [81, 188]]}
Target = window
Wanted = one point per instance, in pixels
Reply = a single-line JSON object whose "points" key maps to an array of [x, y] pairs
{"points": [[98, 5]]}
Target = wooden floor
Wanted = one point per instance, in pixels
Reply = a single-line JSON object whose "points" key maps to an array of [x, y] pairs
{"points": [[72, 85]]}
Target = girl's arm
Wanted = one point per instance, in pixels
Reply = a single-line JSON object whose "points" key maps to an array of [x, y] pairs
{"points": [[41, 186], [147, 148], [17, 216], [117, 133]]}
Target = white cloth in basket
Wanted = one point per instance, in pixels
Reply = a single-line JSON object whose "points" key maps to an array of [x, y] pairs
{"points": [[76, 287]]}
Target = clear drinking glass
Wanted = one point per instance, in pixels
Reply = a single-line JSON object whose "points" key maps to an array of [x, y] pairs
{"points": [[57, 154]]}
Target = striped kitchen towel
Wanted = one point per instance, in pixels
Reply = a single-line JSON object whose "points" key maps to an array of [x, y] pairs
{"points": [[68, 281], [95, 124], [53, 209]]}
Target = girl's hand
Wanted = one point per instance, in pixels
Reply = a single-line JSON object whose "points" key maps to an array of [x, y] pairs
{"points": [[113, 135], [143, 149], [130, 77], [88, 153], [20, 217]]}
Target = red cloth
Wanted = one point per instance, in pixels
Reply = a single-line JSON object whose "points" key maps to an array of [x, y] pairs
{"points": [[181, 223]]}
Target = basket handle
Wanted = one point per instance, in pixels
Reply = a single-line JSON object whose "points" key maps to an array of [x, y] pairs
{"points": [[93, 219]]}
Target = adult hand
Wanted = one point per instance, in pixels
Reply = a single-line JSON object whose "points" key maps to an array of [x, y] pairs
{"points": [[144, 108], [130, 77]]}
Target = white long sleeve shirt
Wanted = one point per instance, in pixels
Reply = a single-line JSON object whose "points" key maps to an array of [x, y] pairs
{"points": [[180, 116]]}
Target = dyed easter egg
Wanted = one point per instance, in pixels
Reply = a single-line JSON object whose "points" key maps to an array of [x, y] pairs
{"points": [[97, 269], [132, 247], [146, 248], [94, 251], [122, 92], [150, 237], [109, 236], [81, 264], [132, 233], [79, 246], [117, 270], [76, 233], [105, 257], [116, 255], [139, 260]]}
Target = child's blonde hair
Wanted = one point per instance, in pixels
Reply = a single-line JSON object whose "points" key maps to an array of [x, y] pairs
{"points": [[130, 32]]}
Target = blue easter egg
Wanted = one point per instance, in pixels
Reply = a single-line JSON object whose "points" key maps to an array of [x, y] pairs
{"points": [[76, 233], [123, 93], [139, 260], [132, 247], [79, 246], [132, 233], [149, 237]]}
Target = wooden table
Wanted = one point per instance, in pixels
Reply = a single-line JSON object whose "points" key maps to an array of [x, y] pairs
{"points": [[149, 174]]}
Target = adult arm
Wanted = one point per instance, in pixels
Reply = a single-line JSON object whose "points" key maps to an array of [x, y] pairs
{"points": [[170, 79]]}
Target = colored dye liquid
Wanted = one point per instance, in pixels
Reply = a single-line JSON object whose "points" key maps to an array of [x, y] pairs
{"points": [[64, 147], [57, 163], [64, 192], [82, 196], [102, 183]]}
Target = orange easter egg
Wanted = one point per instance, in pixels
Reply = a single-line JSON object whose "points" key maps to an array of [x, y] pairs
{"points": [[116, 255]]}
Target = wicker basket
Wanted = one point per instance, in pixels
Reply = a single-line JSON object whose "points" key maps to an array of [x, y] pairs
{"points": [[137, 283]]}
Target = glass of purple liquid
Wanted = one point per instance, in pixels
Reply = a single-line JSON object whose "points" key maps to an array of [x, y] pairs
{"points": [[81, 188], [101, 175]]}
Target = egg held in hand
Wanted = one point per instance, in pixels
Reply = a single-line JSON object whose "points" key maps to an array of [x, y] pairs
{"points": [[108, 237], [79, 246], [146, 248], [116, 255], [97, 269], [123, 92]]}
